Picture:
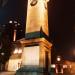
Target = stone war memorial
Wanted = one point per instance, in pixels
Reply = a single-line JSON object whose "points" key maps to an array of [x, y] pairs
{"points": [[36, 49]]}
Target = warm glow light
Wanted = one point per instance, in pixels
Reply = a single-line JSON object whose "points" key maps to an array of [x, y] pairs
{"points": [[58, 58], [30, 56], [53, 66], [15, 21], [15, 51], [14, 37], [2, 53], [20, 51], [70, 66], [18, 24], [10, 21], [64, 66]]}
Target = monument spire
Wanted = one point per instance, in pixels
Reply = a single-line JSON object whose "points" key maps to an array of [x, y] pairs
{"points": [[37, 18], [36, 49]]}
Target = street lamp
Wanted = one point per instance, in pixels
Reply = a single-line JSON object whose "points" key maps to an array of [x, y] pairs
{"points": [[14, 36], [58, 58], [59, 65], [15, 24], [10, 21]]}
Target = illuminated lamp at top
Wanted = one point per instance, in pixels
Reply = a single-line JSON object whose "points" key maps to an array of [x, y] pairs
{"points": [[58, 58], [10, 21]]}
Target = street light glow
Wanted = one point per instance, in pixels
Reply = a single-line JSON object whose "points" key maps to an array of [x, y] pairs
{"points": [[18, 24], [15, 21], [2, 53], [10, 21], [53, 66], [58, 58]]}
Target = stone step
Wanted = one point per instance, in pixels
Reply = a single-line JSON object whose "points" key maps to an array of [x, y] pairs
{"points": [[7, 73]]}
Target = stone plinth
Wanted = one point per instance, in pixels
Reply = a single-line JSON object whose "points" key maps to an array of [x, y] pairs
{"points": [[36, 55], [31, 71]]}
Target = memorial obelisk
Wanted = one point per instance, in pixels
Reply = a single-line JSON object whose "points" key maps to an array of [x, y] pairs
{"points": [[36, 47]]}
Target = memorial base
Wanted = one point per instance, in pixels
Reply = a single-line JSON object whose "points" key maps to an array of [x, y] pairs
{"points": [[36, 57], [31, 71]]}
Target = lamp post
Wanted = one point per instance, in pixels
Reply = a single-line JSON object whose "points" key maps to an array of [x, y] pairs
{"points": [[15, 24], [14, 37], [59, 65]]}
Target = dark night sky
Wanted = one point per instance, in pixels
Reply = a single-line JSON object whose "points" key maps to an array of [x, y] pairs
{"points": [[61, 22], [13, 8], [63, 25]]}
